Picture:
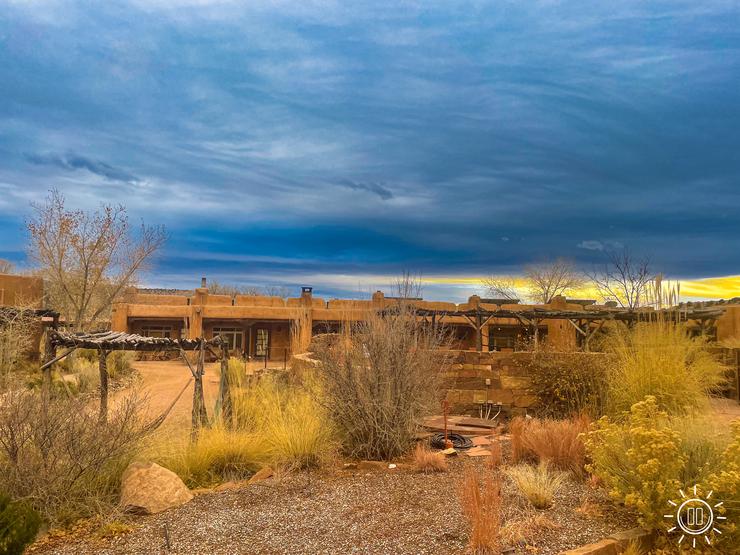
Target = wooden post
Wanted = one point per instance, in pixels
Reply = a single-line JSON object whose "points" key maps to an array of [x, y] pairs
{"points": [[479, 331], [224, 389], [199, 413], [49, 355], [103, 370]]}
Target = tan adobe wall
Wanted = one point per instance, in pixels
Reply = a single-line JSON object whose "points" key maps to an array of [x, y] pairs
{"points": [[728, 326], [21, 291], [160, 300], [258, 300], [218, 300]]}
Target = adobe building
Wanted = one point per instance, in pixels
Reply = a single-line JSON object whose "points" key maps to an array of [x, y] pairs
{"points": [[274, 328], [21, 291]]}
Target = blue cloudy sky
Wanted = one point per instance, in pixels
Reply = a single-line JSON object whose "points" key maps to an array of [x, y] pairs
{"points": [[338, 143]]}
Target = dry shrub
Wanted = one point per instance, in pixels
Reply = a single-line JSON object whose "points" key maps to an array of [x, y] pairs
{"points": [[590, 509], [660, 359], [538, 484], [428, 461], [519, 532], [60, 457], [17, 330], [556, 442], [494, 461], [517, 428], [569, 383], [481, 505], [380, 379]]}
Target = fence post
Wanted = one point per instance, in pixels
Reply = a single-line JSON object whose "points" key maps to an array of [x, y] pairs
{"points": [[103, 370]]}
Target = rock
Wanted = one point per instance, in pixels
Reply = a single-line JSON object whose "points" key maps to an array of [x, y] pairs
{"points": [[262, 474], [147, 488], [372, 465], [449, 452], [350, 466]]}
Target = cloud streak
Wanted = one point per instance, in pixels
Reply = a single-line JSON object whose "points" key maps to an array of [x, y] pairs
{"points": [[75, 162]]}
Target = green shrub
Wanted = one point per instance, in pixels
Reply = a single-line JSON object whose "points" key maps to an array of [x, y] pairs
{"points": [[639, 460], [19, 524], [120, 364], [567, 384], [660, 359]]}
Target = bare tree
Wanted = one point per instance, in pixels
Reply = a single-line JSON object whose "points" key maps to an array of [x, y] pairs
{"points": [[6, 266], [546, 280], [18, 329], [88, 259], [218, 288], [541, 282], [501, 287], [623, 278]]}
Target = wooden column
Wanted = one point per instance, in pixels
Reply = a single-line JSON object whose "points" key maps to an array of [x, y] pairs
{"points": [[199, 413], [224, 389], [103, 370], [49, 355], [478, 332]]}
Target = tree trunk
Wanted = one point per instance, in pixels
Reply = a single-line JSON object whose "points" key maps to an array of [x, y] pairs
{"points": [[224, 389], [199, 413]]}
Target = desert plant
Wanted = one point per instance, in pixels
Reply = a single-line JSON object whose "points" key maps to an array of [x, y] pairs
{"points": [[725, 482], [217, 455], [60, 457], [289, 416], [517, 532], [427, 461], [19, 524], [17, 330], [496, 458], [481, 504], [380, 379], [660, 359], [120, 364], [555, 442], [519, 452], [569, 383], [538, 484], [639, 460]]}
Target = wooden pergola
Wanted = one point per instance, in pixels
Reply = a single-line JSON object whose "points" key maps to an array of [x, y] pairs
{"points": [[581, 320], [107, 341]]}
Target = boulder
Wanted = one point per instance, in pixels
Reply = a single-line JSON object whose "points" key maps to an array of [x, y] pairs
{"points": [[262, 474], [147, 488]]}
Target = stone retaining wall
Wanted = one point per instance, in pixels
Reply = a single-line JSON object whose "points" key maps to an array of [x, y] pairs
{"points": [[509, 382]]}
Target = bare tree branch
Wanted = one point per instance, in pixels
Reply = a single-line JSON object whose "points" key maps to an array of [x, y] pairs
{"points": [[623, 278], [88, 259]]}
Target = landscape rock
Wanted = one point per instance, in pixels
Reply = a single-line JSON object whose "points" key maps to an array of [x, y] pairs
{"points": [[147, 488], [262, 474]]}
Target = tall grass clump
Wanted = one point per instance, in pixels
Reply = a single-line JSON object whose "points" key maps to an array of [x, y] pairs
{"points": [[380, 379], [660, 359], [481, 504], [427, 461], [288, 415], [538, 484], [60, 457], [556, 442]]}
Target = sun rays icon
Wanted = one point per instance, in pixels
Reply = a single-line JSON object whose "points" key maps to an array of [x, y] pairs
{"points": [[694, 517]]}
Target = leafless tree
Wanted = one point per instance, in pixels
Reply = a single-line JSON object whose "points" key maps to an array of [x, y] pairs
{"points": [[545, 280], [18, 329], [6, 266], [541, 282], [88, 259], [218, 288], [623, 278], [501, 287]]}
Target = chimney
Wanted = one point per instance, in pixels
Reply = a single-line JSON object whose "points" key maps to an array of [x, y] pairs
{"points": [[203, 282]]}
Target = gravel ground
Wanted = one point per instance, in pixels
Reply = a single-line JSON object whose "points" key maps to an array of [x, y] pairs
{"points": [[387, 512]]}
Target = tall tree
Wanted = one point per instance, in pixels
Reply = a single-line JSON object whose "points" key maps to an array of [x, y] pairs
{"points": [[624, 278], [542, 281], [88, 258]]}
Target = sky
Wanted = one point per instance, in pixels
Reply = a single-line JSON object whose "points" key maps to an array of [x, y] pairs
{"points": [[337, 144]]}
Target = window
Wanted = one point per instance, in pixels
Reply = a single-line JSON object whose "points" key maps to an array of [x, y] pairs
{"points": [[262, 342], [502, 337], [234, 337], [156, 331]]}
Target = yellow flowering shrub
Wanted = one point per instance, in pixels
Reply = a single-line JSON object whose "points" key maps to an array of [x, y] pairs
{"points": [[725, 483], [638, 459]]}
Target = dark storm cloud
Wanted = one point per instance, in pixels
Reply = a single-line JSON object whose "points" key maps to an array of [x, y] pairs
{"points": [[73, 162], [375, 188], [302, 137]]}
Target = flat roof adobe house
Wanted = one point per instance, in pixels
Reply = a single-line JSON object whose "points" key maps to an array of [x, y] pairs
{"points": [[273, 327], [261, 326]]}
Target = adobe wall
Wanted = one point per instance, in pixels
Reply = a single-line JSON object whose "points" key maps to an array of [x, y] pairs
{"points": [[21, 291]]}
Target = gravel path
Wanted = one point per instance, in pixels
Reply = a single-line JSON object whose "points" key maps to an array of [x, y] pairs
{"points": [[336, 512]]}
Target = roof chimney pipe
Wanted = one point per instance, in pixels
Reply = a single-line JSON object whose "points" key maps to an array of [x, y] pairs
{"points": [[203, 282]]}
